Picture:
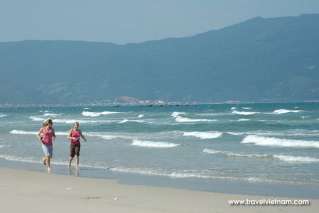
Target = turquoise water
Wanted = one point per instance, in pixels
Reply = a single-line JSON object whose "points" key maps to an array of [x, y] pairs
{"points": [[274, 144]]}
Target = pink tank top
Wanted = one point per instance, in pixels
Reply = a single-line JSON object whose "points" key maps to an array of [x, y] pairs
{"points": [[75, 134], [47, 135]]}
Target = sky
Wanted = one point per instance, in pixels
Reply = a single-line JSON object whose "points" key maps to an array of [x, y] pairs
{"points": [[127, 21]]}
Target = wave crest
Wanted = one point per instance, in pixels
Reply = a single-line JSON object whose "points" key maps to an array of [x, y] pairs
{"points": [[244, 112], [286, 158], [296, 159], [204, 135], [284, 111], [97, 114], [272, 141], [232, 154], [152, 144], [2, 115], [22, 132]]}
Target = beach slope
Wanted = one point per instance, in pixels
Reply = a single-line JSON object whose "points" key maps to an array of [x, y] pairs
{"points": [[27, 191]]}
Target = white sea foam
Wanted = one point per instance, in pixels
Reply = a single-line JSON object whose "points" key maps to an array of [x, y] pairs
{"points": [[35, 118], [176, 114], [127, 120], [272, 141], [123, 121], [107, 136], [293, 132], [140, 116], [286, 158], [139, 171], [48, 114], [232, 154], [233, 108], [89, 134], [204, 135], [296, 159], [181, 119], [246, 108], [22, 132], [19, 159], [2, 115], [243, 119], [176, 174], [236, 133], [111, 137], [212, 151], [152, 144], [32, 160], [255, 180], [284, 111], [71, 121], [97, 114], [66, 121], [244, 112], [181, 174]]}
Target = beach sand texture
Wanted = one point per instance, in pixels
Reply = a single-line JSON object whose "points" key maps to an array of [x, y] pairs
{"points": [[27, 191]]}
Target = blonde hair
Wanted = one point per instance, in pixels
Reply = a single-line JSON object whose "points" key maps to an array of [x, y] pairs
{"points": [[44, 123]]}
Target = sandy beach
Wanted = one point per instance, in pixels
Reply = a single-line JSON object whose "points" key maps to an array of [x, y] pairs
{"points": [[27, 191]]}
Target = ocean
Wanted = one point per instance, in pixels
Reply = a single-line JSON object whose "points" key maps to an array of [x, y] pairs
{"points": [[257, 148]]}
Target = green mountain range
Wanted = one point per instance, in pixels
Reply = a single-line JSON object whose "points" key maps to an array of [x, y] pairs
{"points": [[261, 59]]}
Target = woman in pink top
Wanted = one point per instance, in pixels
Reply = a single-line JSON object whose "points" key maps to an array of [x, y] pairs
{"points": [[46, 136], [74, 136]]}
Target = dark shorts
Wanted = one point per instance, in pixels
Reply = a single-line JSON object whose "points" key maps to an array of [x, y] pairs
{"points": [[75, 150]]}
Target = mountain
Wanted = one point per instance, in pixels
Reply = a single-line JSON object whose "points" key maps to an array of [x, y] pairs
{"points": [[261, 59]]}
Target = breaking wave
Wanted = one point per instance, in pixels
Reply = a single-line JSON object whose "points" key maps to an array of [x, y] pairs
{"points": [[286, 158], [296, 159], [180, 118], [284, 111], [22, 132], [232, 154], [204, 135], [272, 141], [136, 121], [244, 112], [152, 144], [2, 115], [48, 114], [65, 121], [97, 114]]}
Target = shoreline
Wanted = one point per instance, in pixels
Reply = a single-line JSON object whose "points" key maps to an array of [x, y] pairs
{"points": [[302, 191], [37, 191]]}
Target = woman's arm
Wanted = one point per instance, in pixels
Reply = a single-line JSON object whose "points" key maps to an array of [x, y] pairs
{"points": [[53, 133], [69, 136], [82, 136], [39, 135]]}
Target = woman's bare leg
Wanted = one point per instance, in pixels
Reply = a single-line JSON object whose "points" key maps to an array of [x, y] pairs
{"points": [[77, 161], [44, 160], [49, 163], [70, 161]]}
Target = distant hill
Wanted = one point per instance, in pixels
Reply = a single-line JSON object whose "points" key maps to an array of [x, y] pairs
{"points": [[273, 59]]}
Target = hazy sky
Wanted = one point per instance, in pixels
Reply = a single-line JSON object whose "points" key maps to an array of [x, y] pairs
{"points": [[123, 21]]}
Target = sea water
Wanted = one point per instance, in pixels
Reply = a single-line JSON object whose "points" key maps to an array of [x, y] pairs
{"points": [[213, 147]]}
